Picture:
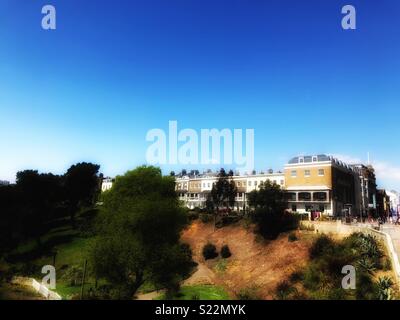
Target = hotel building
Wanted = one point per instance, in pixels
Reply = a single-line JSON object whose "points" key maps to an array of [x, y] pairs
{"points": [[320, 183]]}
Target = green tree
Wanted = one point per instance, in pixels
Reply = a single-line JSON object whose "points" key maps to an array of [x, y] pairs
{"points": [[269, 205], [81, 183], [39, 195], [139, 230], [224, 191]]}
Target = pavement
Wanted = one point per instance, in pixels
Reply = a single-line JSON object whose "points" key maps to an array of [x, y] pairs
{"points": [[394, 232]]}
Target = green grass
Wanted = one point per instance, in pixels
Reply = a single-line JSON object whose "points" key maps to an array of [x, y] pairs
{"points": [[202, 292], [71, 251]]}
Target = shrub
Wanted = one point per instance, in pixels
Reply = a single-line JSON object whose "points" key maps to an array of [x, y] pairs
{"points": [[227, 220], [221, 266], [193, 215], [292, 237], [248, 293], [225, 252], [296, 276], [73, 276], [209, 251], [289, 221], [205, 217], [285, 290], [366, 265], [387, 264], [321, 246], [384, 288]]}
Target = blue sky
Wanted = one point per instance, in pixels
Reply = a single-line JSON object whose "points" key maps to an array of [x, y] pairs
{"points": [[112, 70]]}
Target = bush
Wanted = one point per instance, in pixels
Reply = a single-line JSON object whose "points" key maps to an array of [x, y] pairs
{"points": [[227, 220], [323, 245], [248, 293], [73, 276], [225, 252], [296, 276], [271, 224], [205, 217], [292, 237], [285, 290], [209, 251], [193, 215], [289, 221]]}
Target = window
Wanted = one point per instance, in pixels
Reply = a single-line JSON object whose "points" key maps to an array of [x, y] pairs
{"points": [[290, 196], [301, 159], [321, 208], [319, 196], [250, 183], [304, 196], [209, 185], [293, 173], [307, 173], [321, 172], [282, 182], [314, 159], [255, 183]]}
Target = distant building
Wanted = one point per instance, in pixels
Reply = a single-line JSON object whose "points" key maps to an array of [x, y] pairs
{"points": [[107, 184], [366, 188], [394, 202], [4, 183], [382, 203]]}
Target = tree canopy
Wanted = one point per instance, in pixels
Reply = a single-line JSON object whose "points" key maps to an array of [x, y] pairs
{"points": [[139, 229]]}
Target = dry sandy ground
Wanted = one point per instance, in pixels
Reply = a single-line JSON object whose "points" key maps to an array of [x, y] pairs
{"points": [[19, 289], [253, 263]]}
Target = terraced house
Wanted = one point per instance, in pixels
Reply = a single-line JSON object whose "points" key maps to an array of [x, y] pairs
{"points": [[193, 190], [319, 184]]}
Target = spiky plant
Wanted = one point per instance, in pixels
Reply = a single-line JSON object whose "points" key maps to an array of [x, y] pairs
{"points": [[385, 288], [367, 265]]}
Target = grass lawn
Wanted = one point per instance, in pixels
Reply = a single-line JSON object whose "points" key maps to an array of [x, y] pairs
{"points": [[71, 251], [201, 292]]}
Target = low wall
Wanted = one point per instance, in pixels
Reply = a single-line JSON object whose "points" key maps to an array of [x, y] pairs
{"points": [[44, 291], [337, 227]]}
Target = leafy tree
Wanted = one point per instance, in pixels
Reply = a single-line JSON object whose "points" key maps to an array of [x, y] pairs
{"points": [[139, 229], [9, 218], [81, 186], [269, 210], [224, 191], [39, 195]]}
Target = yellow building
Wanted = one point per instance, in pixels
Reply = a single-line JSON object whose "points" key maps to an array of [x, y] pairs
{"points": [[320, 184]]}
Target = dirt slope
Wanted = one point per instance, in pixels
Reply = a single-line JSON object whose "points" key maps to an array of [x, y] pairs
{"points": [[253, 263]]}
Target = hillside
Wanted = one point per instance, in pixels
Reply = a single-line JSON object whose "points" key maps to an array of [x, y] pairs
{"points": [[254, 263]]}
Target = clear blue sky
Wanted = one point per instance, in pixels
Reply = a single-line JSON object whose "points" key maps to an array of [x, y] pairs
{"points": [[90, 90]]}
